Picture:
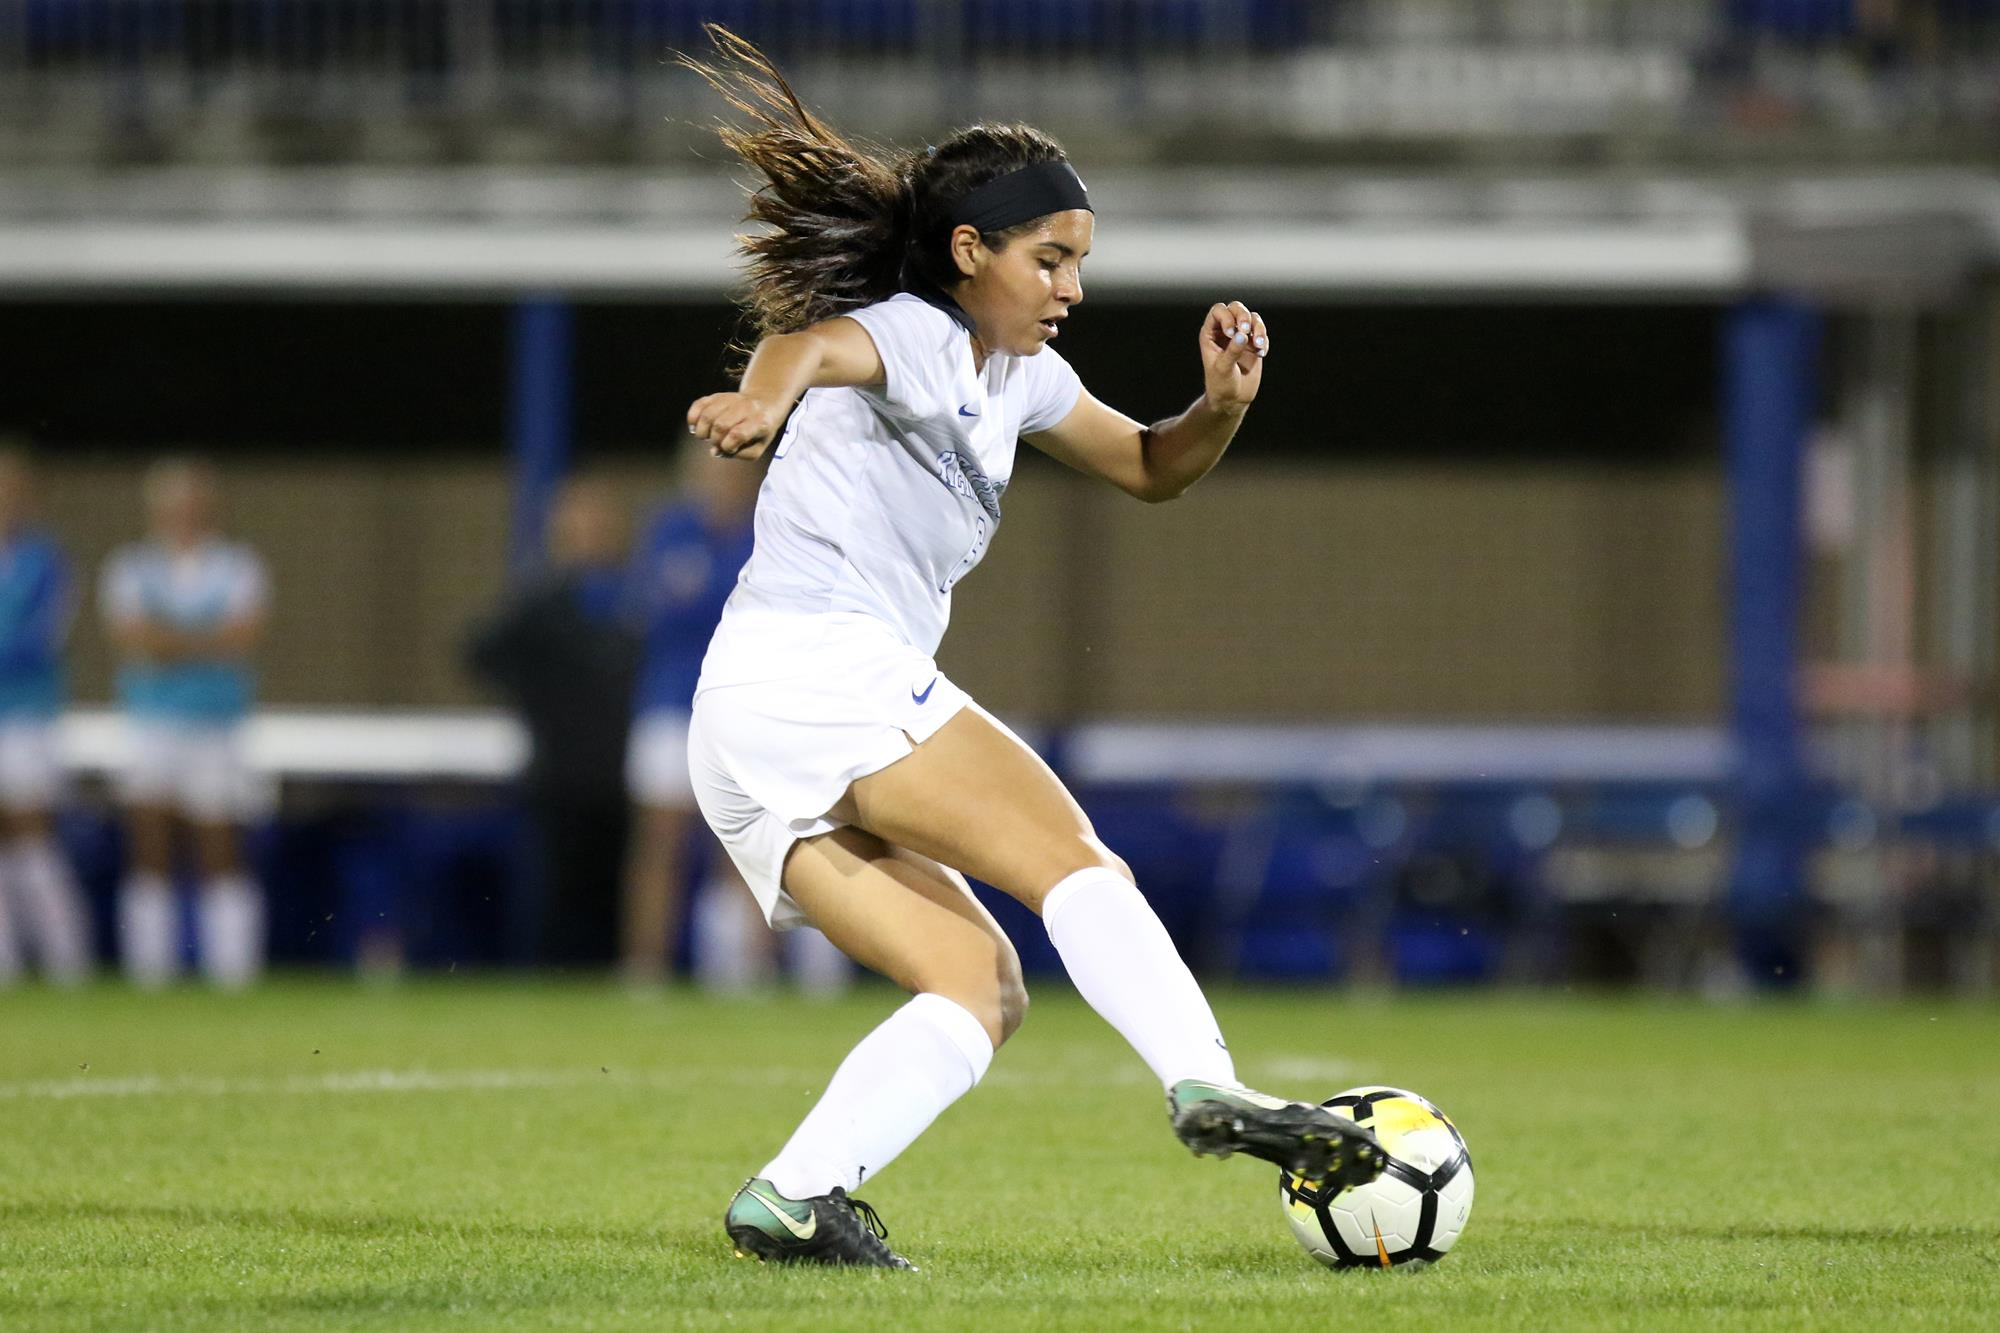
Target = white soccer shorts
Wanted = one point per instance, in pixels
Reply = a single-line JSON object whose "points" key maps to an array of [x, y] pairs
{"points": [[196, 769], [770, 757], [31, 768]]}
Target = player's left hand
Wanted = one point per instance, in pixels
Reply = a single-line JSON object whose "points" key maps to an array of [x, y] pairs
{"points": [[1233, 346]]}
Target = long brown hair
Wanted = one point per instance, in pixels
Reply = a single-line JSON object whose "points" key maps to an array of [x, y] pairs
{"points": [[849, 223]]}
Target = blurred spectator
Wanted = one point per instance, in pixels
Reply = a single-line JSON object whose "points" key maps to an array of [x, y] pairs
{"points": [[41, 912], [185, 611], [1802, 21], [684, 571], [557, 648]]}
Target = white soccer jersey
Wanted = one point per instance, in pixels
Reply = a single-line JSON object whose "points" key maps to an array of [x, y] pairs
{"points": [[879, 500], [216, 581]]}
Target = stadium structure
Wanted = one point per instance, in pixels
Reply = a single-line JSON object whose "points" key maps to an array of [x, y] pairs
{"points": [[1623, 586]]}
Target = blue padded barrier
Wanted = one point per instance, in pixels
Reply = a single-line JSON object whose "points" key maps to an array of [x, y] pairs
{"points": [[1296, 883]]}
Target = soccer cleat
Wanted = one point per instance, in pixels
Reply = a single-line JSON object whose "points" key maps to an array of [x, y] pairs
{"points": [[1309, 1141], [825, 1229]]}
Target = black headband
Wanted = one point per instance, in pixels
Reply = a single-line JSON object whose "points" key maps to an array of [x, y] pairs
{"points": [[1032, 192]]}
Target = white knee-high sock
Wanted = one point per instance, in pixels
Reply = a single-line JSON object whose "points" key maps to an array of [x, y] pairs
{"points": [[1121, 961], [149, 930], [52, 911], [901, 1076], [232, 931]]}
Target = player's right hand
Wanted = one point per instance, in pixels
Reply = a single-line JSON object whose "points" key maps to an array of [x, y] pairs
{"points": [[734, 424]]}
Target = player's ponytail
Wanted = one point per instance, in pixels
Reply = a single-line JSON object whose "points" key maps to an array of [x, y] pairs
{"points": [[847, 225], [837, 212]]}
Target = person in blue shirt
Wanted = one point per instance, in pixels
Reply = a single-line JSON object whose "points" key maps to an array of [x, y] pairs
{"points": [[185, 611], [42, 915], [683, 570]]}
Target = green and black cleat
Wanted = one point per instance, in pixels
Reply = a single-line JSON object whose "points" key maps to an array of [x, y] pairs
{"points": [[1309, 1141], [825, 1229]]}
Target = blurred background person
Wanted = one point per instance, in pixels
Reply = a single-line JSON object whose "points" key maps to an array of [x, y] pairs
{"points": [[559, 651], [42, 915], [685, 568], [185, 610]]}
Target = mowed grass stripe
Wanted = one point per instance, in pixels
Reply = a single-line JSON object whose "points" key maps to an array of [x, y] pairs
{"points": [[1640, 1163]]}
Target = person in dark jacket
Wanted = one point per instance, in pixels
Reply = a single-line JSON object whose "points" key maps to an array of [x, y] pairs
{"points": [[558, 649]]}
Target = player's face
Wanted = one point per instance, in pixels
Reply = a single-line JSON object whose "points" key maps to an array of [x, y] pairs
{"points": [[587, 526], [183, 510], [1019, 294]]}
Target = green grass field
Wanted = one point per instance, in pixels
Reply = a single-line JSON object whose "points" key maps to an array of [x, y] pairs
{"points": [[469, 1154]]}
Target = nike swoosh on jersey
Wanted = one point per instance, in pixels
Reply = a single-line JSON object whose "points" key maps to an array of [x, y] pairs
{"points": [[925, 697], [962, 412], [791, 1223]]}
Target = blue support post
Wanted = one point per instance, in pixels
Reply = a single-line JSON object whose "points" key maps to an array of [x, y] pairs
{"points": [[1769, 383], [538, 420]]}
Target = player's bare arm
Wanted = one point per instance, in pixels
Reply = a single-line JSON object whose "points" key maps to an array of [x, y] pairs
{"points": [[833, 354], [237, 636], [157, 642], [138, 636], [1159, 462]]}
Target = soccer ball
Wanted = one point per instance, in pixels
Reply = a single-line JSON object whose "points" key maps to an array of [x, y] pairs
{"points": [[1417, 1208]]}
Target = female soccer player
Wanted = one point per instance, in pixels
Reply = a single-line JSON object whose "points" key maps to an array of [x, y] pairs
{"points": [[905, 311], [186, 610]]}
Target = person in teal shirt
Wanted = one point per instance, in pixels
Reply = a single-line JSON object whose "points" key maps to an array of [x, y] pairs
{"points": [[42, 916], [185, 611]]}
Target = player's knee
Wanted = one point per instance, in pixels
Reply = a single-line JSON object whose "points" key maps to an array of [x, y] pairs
{"points": [[1082, 853], [1013, 999], [990, 1008], [1090, 853], [984, 977], [1013, 1010]]}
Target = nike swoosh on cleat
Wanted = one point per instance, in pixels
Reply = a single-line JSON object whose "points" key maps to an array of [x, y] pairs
{"points": [[791, 1223], [925, 697]]}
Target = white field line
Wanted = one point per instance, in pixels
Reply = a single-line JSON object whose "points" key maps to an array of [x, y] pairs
{"points": [[357, 1080], [1288, 1070]]}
